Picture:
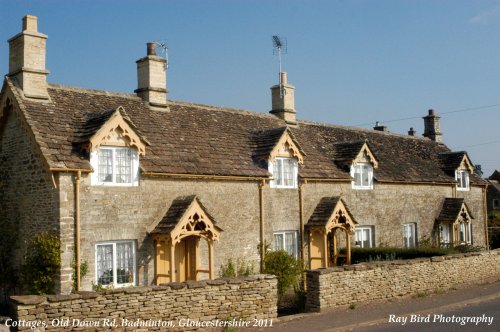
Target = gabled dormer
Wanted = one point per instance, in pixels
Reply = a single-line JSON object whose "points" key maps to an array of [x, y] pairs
{"points": [[359, 158], [454, 222], [459, 165], [114, 144], [282, 154]]}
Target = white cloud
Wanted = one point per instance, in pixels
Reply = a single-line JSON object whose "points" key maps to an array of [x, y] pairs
{"points": [[486, 16]]}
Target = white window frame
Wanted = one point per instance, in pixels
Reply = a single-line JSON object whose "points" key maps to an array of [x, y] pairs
{"points": [[466, 229], [295, 252], [363, 167], [463, 183], [115, 283], [445, 233], [94, 161], [371, 232], [276, 177], [410, 241], [496, 203]]}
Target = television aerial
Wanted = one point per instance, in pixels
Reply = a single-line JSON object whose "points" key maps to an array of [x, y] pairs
{"points": [[280, 47]]}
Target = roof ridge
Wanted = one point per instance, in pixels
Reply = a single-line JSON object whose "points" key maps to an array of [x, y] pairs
{"points": [[92, 91], [221, 108], [367, 130]]}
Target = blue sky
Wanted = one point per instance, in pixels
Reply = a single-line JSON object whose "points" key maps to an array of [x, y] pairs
{"points": [[352, 62]]}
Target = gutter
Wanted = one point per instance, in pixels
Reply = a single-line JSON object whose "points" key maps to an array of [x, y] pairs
{"points": [[205, 176]]}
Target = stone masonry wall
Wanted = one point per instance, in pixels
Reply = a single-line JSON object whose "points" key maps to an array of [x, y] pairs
{"points": [[339, 286], [28, 198], [249, 299]]}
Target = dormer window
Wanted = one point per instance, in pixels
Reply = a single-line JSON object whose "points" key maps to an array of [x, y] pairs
{"points": [[115, 149], [363, 176], [282, 154], [462, 177], [359, 159], [116, 166], [284, 172]]}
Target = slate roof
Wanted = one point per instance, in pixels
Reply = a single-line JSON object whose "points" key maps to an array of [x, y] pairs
{"points": [[495, 175], [451, 209], [265, 140], [201, 139], [346, 152], [324, 211], [177, 209], [450, 161]]}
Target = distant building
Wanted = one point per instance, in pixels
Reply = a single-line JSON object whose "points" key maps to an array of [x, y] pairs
{"points": [[149, 190], [494, 208]]}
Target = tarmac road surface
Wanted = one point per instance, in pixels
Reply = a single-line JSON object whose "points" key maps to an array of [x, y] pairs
{"points": [[468, 301]]}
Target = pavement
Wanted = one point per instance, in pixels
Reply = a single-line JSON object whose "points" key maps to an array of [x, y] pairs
{"points": [[376, 313]]}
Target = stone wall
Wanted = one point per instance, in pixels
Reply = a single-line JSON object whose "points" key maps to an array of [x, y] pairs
{"points": [[339, 286], [248, 299], [28, 198]]}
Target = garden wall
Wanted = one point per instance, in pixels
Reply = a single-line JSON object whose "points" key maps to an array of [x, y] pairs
{"points": [[338, 286], [174, 306]]}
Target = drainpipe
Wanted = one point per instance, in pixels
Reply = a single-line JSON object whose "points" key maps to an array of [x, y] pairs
{"points": [[261, 222], [301, 220], [485, 211], [77, 228]]}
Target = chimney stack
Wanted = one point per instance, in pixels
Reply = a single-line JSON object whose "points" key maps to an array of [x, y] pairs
{"points": [[432, 127], [27, 51], [152, 78], [379, 127], [283, 100], [412, 132]]}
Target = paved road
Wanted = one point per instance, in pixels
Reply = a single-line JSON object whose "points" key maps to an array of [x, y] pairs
{"points": [[466, 301], [452, 320]]}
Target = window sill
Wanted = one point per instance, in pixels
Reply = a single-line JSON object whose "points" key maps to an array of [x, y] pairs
{"points": [[362, 188], [463, 189]]}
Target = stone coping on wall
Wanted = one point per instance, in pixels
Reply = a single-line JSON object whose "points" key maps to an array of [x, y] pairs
{"points": [[38, 299], [376, 264]]}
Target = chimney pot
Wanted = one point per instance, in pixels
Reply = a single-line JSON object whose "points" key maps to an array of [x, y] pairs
{"points": [[411, 132], [432, 112], [30, 23], [283, 78], [151, 48]]}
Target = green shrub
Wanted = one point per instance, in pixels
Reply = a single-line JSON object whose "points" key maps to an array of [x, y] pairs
{"points": [[359, 255], [286, 268], [84, 269], [241, 268], [42, 262]]}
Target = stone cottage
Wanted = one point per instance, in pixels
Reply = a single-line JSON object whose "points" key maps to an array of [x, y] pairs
{"points": [[148, 190], [493, 203]]}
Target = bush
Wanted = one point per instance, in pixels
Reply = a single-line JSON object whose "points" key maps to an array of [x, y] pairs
{"points": [[241, 268], [359, 255], [42, 262], [389, 253], [286, 268]]}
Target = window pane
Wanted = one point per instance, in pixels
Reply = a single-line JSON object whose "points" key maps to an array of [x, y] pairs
{"points": [[105, 264], [409, 235], [278, 242], [278, 171], [105, 165], [365, 175], [357, 175], [123, 158], [125, 263], [290, 243]]}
